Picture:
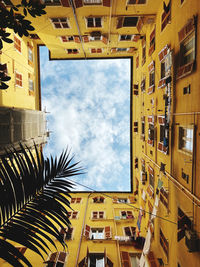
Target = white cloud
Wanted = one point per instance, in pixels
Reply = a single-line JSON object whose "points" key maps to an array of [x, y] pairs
{"points": [[89, 104]]}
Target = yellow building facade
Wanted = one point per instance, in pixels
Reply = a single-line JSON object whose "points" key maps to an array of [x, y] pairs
{"points": [[162, 39]]}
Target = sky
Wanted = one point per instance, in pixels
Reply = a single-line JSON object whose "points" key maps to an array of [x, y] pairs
{"points": [[89, 112]]}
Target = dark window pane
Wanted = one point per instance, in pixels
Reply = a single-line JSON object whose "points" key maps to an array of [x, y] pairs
{"points": [[130, 21]]}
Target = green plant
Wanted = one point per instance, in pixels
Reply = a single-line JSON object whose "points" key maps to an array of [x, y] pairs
{"points": [[34, 195]]}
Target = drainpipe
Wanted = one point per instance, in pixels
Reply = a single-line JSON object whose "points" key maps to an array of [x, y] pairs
{"points": [[110, 24], [117, 242], [79, 32], [83, 225]]}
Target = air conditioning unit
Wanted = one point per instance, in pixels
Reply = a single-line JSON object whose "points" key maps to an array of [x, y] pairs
{"points": [[192, 241]]}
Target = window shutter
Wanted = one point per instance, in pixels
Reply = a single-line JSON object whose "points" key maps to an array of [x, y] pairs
{"points": [[93, 50], [133, 230], [129, 215], [101, 214], [131, 50], [62, 256], [22, 250], [82, 263], [52, 257], [78, 200], [125, 259], [140, 24], [109, 262], [113, 50], [186, 30], [135, 37], [65, 3], [106, 3], [73, 200], [87, 231], [99, 50], [104, 40], [78, 3], [120, 22], [94, 214], [77, 39], [108, 232], [74, 214], [132, 199], [85, 38], [115, 199], [127, 231]]}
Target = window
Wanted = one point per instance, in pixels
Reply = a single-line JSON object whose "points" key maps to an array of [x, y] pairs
{"points": [[98, 200], [143, 84], [136, 2], [122, 200], [164, 243], [127, 215], [166, 16], [151, 69], [72, 214], [125, 37], [185, 176], [92, 2], [186, 139], [183, 223], [97, 233], [17, 44], [186, 90], [76, 200], [72, 51], [66, 233], [164, 197], [127, 22], [56, 259], [52, 2], [96, 50], [65, 39], [152, 42], [151, 134], [94, 22], [151, 176], [187, 48], [96, 260], [120, 49], [30, 54], [130, 231], [143, 51], [182, 1], [60, 23], [143, 127], [135, 126], [97, 215], [31, 85], [18, 79]]}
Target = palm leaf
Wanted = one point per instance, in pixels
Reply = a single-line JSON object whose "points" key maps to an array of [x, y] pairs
{"points": [[38, 192]]}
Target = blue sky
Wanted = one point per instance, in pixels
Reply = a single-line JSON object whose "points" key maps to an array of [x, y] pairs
{"points": [[89, 105]]}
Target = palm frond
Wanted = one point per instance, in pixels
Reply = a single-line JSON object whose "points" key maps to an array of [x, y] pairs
{"points": [[38, 192]]}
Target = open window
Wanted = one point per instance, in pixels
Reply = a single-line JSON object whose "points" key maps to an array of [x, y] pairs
{"points": [[187, 39], [129, 37], [67, 233], [130, 231], [184, 223], [97, 232], [127, 214], [164, 65], [143, 50], [164, 135]]}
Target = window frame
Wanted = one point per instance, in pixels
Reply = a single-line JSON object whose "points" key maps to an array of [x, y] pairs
{"points": [[20, 79], [183, 138], [191, 51], [60, 23], [131, 229], [73, 51], [17, 44], [98, 199], [164, 243], [100, 235], [100, 215], [94, 22], [73, 215], [127, 214]]}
